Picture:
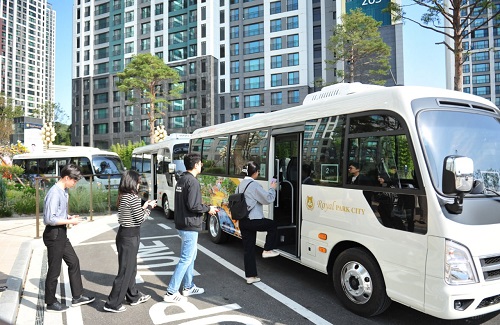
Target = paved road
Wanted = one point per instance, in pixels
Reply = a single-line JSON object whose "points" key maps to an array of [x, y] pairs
{"points": [[288, 294]]}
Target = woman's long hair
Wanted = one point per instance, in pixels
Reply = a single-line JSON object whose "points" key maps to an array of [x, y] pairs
{"points": [[128, 184]]}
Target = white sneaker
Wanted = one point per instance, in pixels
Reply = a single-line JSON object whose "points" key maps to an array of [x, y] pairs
{"points": [[253, 279], [271, 253], [194, 290], [176, 297]]}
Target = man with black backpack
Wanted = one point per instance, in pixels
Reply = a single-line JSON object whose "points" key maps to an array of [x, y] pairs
{"points": [[256, 197]]}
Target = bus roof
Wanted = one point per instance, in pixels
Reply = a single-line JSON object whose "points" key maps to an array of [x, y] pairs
{"points": [[172, 139], [64, 152], [342, 99]]}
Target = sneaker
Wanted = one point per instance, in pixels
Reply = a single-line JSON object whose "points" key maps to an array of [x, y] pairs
{"points": [[142, 299], [253, 279], [81, 301], [194, 290], [271, 253], [176, 297], [117, 310], [57, 307]]}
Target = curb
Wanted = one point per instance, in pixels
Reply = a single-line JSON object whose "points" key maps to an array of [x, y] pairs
{"points": [[10, 299]]}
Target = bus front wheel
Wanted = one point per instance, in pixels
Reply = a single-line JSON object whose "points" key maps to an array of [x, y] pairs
{"points": [[215, 231], [359, 283], [166, 208]]}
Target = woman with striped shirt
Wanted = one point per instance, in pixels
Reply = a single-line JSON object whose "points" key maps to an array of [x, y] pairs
{"points": [[130, 217]]}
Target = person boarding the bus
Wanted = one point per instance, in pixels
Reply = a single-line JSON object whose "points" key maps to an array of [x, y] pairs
{"points": [[188, 219], [256, 196], [59, 248], [131, 215]]}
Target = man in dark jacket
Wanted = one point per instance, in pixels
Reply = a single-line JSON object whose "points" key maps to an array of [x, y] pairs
{"points": [[188, 219]]}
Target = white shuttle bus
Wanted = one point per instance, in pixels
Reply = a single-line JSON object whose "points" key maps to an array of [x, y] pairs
{"points": [[160, 164], [418, 225], [104, 166]]}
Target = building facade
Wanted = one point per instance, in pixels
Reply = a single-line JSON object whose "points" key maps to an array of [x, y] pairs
{"points": [[27, 53], [236, 58], [481, 67]]}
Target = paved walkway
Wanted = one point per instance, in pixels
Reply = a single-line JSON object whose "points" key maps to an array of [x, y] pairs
{"points": [[18, 240]]}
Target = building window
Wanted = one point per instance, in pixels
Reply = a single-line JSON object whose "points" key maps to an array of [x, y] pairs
{"points": [[116, 127], [292, 5], [293, 97], [253, 47], [293, 59], [253, 12], [254, 65], [276, 98], [275, 7], [292, 40], [235, 66], [276, 80], [254, 82], [276, 61], [235, 49], [275, 25], [254, 100], [235, 117], [276, 43], [253, 29], [293, 78], [292, 22], [129, 126], [235, 84], [235, 102]]}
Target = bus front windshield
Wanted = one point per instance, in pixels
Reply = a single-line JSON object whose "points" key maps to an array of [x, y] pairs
{"points": [[107, 165], [473, 135]]}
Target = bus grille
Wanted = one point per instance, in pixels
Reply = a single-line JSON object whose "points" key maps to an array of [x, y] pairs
{"points": [[489, 301], [491, 268]]}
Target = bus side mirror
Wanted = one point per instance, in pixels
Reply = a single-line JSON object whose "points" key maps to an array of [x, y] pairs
{"points": [[458, 179], [171, 168]]}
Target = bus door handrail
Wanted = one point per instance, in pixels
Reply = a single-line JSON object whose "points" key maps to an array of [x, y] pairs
{"points": [[291, 201], [277, 163]]}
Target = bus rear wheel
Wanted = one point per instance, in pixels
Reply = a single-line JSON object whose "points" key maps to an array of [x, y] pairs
{"points": [[359, 283], [169, 214], [215, 231]]}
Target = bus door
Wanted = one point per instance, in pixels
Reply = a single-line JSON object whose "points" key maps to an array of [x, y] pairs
{"points": [[286, 206]]}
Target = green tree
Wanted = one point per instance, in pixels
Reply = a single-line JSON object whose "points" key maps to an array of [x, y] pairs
{"points": [[63, 134], [357, 43], [456, 20], [146, 76], [125, 151], [7, 113]]}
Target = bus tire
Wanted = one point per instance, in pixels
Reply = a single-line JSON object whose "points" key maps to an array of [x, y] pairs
{"points": [[169, 214], [215, 231], [359, 283]]}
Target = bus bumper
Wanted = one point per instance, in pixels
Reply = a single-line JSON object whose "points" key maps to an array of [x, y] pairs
{"points": [[461, 301]]}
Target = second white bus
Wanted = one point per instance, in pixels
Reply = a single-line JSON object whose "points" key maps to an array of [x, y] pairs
{"points": [[419, 225], [155, 162]]}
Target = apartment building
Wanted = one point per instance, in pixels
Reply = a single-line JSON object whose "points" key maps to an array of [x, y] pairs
{"points": [[27, 53], [236, 58], [481, 67]]}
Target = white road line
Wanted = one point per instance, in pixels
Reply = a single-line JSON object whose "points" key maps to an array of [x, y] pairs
{"points": [[112, 241], [164, 226], [73, 314], [299, 309]]}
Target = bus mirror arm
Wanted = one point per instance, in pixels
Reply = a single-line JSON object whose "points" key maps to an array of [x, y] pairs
{"points": [[458, 179], [171, 168]]}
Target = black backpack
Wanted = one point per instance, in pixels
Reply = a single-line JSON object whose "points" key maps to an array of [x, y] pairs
{"points": [[238, 206]]}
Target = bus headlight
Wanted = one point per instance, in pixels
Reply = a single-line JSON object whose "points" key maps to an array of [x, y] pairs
{"points": [[459, 267]]}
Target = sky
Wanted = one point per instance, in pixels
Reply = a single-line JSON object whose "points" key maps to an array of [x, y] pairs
{"points": [[424, 61]]}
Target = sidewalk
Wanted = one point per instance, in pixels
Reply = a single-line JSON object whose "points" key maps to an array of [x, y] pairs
{"points": [[17, 238]]}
